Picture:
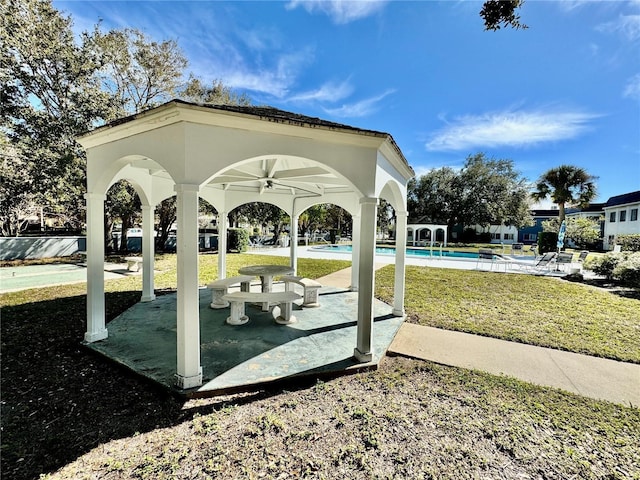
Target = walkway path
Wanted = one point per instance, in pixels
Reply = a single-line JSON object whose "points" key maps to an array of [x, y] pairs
{"points": [[599, 378]]}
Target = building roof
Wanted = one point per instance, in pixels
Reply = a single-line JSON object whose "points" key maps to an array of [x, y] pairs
{"points": [[592, 207], [625, 198], [545, 213]]}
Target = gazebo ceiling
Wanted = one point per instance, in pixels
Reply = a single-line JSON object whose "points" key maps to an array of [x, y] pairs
{"points": [[281, 174]]}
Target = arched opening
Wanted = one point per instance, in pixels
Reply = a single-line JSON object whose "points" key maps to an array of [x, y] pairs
{"points": [[123, 215]]}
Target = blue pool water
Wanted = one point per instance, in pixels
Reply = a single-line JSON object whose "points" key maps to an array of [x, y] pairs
{"points": [[411, 252]]}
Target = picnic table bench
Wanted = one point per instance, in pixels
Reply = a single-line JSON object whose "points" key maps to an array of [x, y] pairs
{"points": [[219, 289], [238, 299], [311, 288], [134, 262]]}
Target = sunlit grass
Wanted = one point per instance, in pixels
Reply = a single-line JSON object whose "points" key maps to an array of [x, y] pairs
{"points": [[165, 277], [524, 308]]}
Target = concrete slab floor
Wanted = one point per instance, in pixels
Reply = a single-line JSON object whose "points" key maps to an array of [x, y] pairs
{"points": [[236, 358]]}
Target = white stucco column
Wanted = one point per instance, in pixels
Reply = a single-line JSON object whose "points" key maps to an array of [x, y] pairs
{"points": [[148, 250], [368, 209], [96, 329], [223, 226], [293, 227], [189, 371], [355, 252], [398, 286]]}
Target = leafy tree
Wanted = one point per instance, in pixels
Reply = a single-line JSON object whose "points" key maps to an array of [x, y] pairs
{"points": [[122, 203], [501, 13], [584, 232], [313, 218], [484, 192], [166, 215], [337, 219], [386, 214], [434, 197], [217, 93], [137, 71], [492, 193], [49, 94], [566, 185]]}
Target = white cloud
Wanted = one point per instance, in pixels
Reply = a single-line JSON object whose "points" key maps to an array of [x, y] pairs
{"points": [[340, 11], [626, 25], [274, 77], [509, 128], [329, 92], [632, 89], [359, 109]]}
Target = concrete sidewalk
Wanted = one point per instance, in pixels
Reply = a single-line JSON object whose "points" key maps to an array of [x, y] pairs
{"points": [[593, 377]]}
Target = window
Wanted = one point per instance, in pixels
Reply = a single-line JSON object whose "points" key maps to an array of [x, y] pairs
{"points": [[611, 240], [529, 237], [495, 236], [623, 215], [508, 236], [634, 214], [612, 217]]}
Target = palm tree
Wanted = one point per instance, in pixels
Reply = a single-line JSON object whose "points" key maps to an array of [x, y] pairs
{"points": [[566, 185]]}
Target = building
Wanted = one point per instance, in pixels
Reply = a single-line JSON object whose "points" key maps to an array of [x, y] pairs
{"points": [[621, 217], [529, 235]]}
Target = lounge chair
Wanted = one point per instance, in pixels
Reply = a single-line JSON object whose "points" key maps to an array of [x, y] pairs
{"points": [[583, 256], [546, 262], [486, 254], [563, 258]]}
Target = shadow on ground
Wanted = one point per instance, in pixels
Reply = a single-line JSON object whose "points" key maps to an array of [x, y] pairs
{"points": [[59, 401]]}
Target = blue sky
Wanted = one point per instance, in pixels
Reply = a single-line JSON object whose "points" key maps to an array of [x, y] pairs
{"points": [[564, 91]]}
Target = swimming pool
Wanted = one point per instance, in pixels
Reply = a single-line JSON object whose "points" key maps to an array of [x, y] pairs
{"points": [[411, 252]]}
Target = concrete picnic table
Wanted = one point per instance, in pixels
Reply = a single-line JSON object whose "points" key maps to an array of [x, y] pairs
{"points": [[266, 274]]}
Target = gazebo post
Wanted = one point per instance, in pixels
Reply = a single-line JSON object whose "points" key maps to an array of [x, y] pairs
{"points": [[96, 329], [294, 243], [148, 249], [368, 208], [189, 371], [223, 226], [401, 239], [355, 252]]}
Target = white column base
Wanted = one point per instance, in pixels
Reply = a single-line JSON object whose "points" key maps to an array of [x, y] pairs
{"points": [[148, 298], [397, 313], [362, 357], [96, 336], [189, 382], [353, 289]]}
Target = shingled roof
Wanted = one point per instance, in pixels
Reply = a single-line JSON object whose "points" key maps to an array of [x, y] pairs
{"points": [[270, 114], [623, 199]]}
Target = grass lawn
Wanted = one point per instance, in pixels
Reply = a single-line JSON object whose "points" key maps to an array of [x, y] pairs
{"points": [[524, 308], [68, 414]]}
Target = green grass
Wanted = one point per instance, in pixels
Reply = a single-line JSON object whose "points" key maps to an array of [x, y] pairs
{"points": [[166, 278], [524, 308], [68, 414]]}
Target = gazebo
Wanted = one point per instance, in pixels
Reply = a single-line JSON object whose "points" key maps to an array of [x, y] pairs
{"points": [[415, 229], [231, 155]]}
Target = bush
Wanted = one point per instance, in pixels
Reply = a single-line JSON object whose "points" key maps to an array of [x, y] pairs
{"points": [[547, 242], [237, 240], [628, 271], [629, 242], [604, 264]]}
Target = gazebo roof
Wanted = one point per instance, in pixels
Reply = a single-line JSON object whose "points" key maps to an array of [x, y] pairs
{"points": [[267, 113], [260, 151]]}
